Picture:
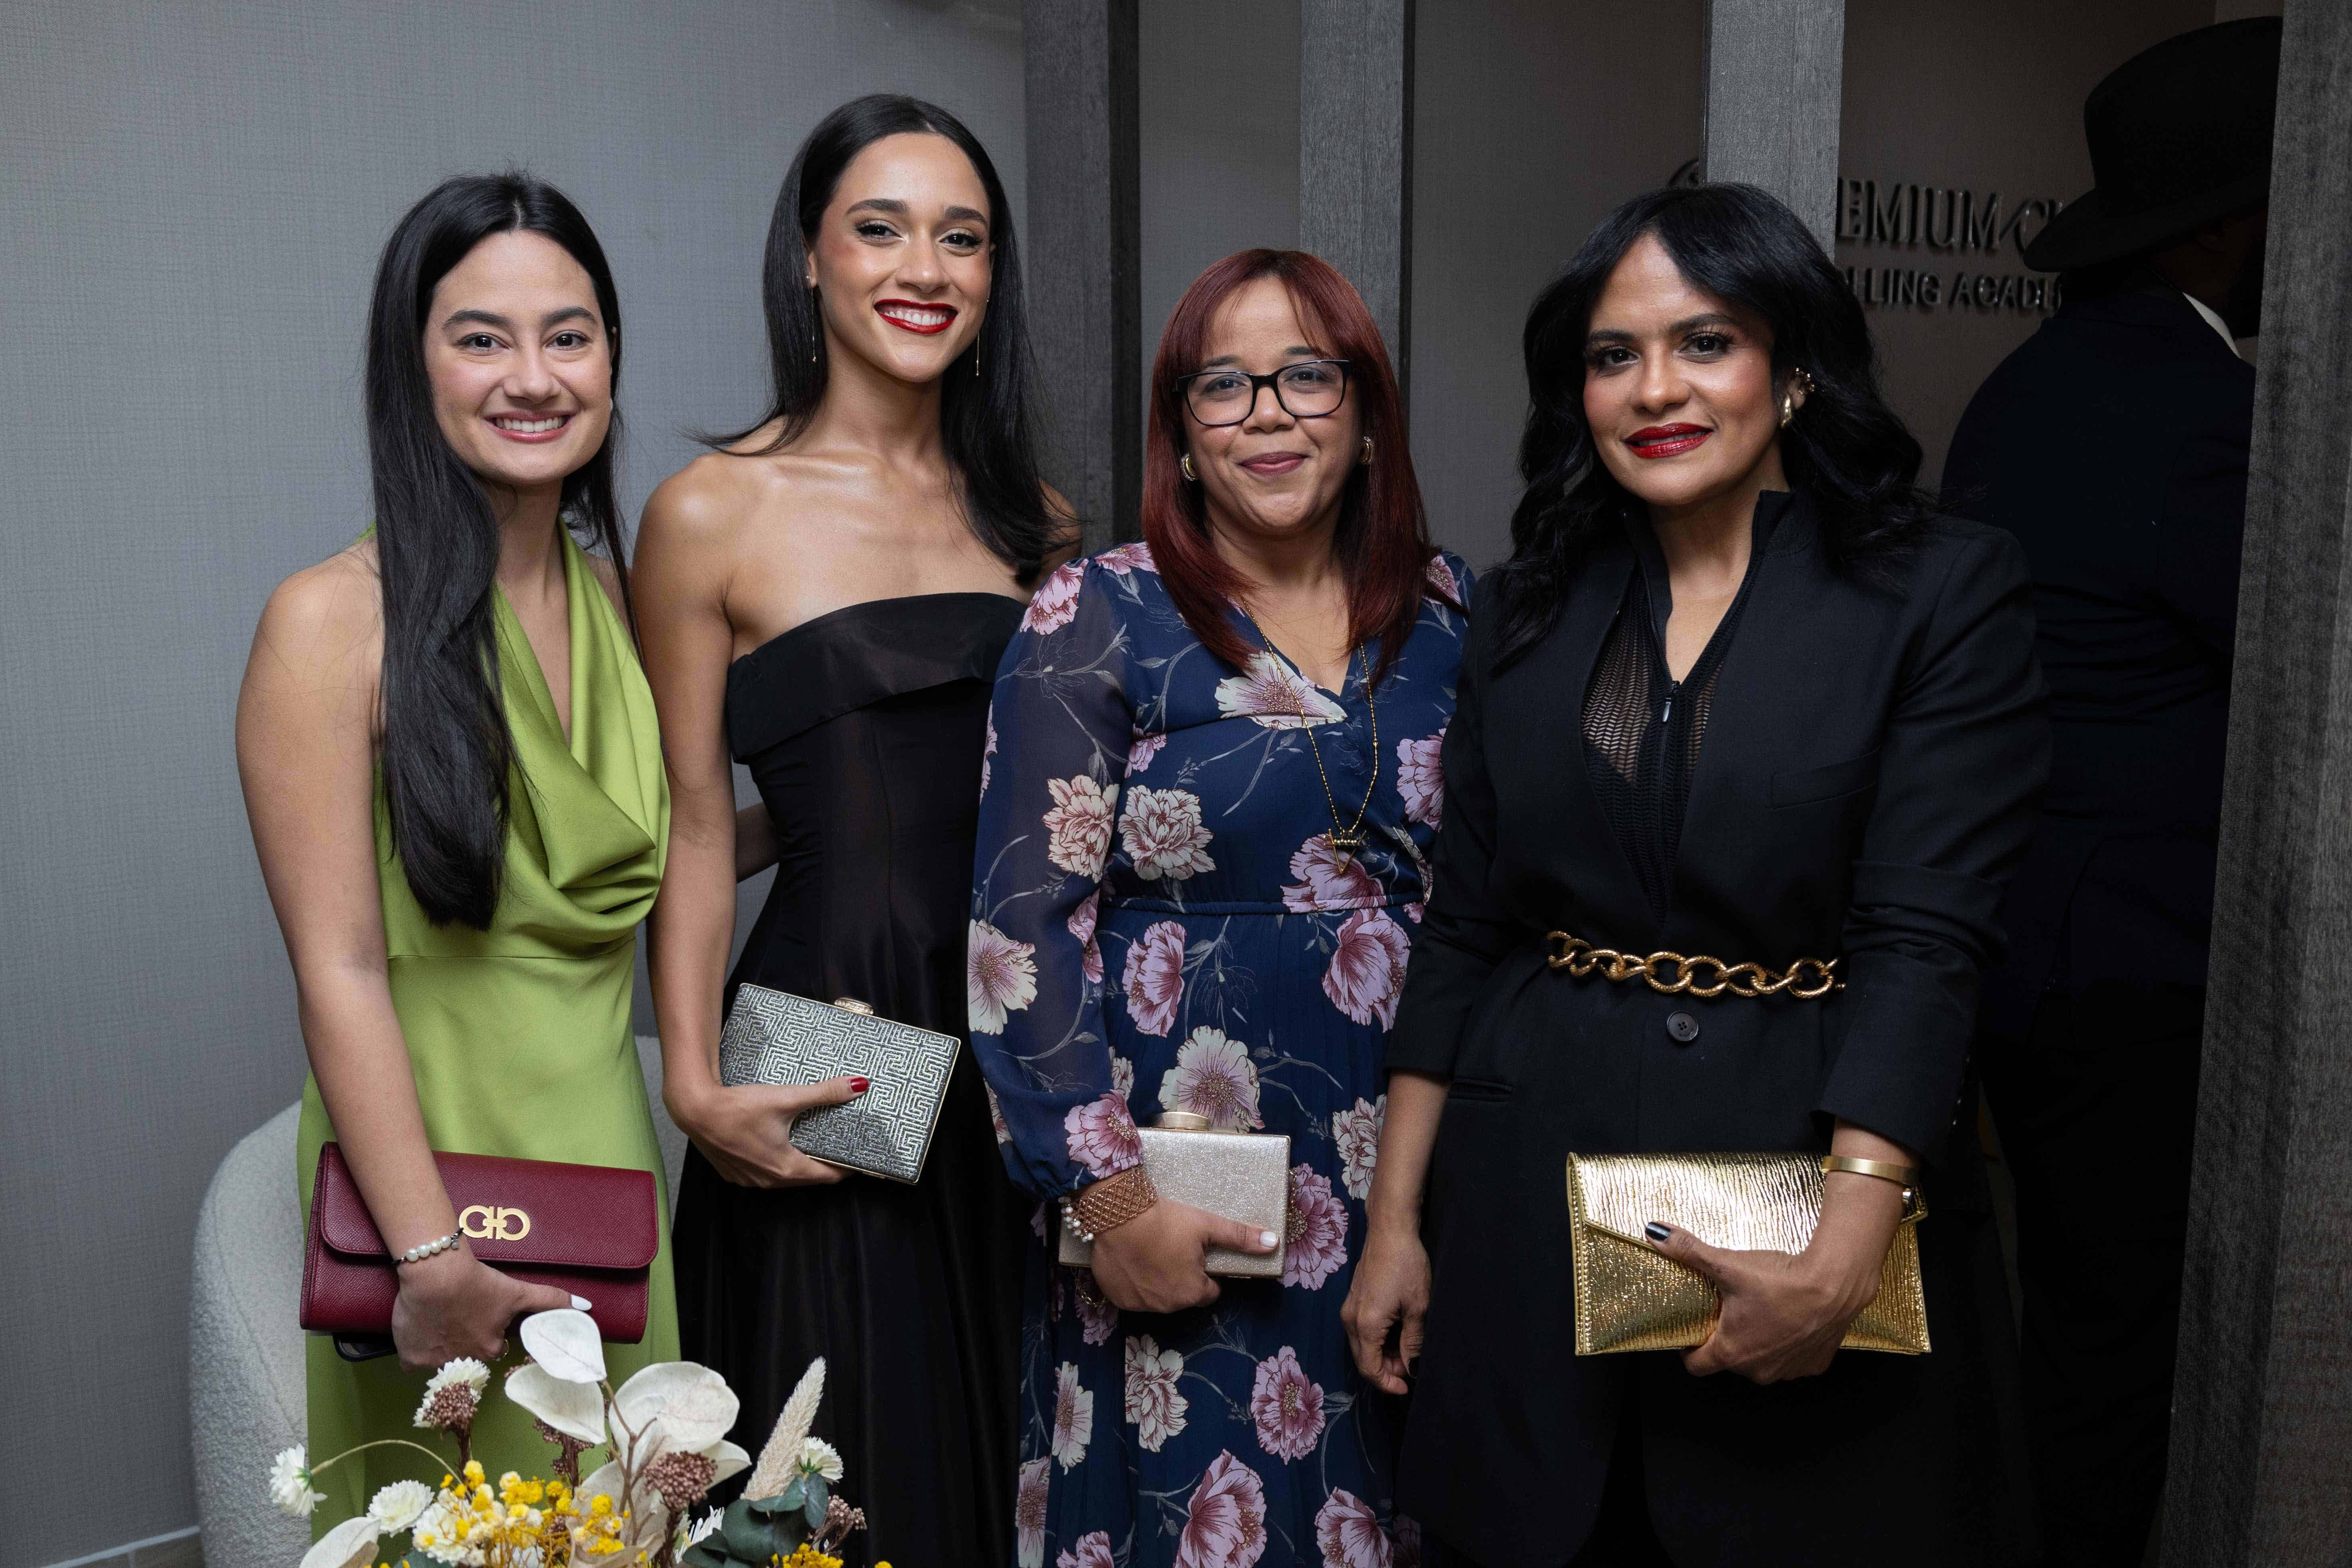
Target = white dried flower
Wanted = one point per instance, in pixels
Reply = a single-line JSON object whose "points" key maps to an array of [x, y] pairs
{"points": [[567, 1343], [289, 1484], [819, 1457], [453, 1395], [399, 1505], [438, 1537]]}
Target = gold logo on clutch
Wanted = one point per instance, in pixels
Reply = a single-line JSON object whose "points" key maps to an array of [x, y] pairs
{"points": [[484, 1223]]}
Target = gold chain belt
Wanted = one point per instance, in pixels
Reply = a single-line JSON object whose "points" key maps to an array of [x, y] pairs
{"points": [[1807, 978]]}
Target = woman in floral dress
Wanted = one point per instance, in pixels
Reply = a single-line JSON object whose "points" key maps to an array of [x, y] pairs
{"points": [[1203, 855]]}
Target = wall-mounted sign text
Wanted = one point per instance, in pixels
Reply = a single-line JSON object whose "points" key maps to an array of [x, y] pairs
{"points": [[1902, 214]]}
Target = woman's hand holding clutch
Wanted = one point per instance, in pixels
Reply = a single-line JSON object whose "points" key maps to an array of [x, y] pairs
{"points": [[1153, 1262], [745, 1131], [453, 1304], [1784, 1313]]}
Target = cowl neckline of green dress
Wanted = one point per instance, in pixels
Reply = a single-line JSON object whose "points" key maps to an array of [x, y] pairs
{"points": [[587, 817]]}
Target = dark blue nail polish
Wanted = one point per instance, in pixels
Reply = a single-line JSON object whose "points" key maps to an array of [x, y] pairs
{"points": [[1655, 1231]]}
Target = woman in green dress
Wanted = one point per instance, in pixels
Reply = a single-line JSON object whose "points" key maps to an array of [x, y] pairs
{"points": [[454, 781]]}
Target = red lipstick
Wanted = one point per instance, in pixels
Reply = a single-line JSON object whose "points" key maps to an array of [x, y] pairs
{"points": [[914, 316], [1667, 440]]}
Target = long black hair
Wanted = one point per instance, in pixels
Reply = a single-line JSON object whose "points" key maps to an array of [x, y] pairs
{"points": [[1847, 449], [447, 749], [984, 418]]}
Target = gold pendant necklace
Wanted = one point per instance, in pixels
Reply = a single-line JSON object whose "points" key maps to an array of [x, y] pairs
{"points": [[1344, 842]]}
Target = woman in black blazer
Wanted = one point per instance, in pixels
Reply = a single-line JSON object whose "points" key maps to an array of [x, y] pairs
{"points": [[1737, 693]]}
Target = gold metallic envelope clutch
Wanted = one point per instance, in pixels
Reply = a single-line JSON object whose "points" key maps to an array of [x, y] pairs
{"points": [[1240, 1175], [1628, 1298]]}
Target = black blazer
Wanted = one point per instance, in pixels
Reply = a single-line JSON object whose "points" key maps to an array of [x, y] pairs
{"points": [[2114, 443], [1867, 781]]}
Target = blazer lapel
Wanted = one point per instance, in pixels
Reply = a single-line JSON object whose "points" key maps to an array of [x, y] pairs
{"points": [[1752, 699]]}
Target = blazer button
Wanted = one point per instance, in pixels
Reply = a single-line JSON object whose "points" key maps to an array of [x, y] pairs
{"points": [[1683, 1028]]}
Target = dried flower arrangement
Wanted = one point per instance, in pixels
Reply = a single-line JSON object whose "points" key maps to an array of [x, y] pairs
{"points": [[667, 1431]]}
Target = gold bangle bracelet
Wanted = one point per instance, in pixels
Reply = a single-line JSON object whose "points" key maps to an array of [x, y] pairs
{"points": [[1903, 1176]]}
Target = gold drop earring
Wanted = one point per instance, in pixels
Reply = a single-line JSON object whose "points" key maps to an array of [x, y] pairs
{"points": [[1798, 382]]}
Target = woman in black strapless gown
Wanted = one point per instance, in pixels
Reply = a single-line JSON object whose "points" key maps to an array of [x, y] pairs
{"points": [[864, 731], [894, 460]]}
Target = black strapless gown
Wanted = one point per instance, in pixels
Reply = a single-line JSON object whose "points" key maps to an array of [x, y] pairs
{"points": [[864, 731]]}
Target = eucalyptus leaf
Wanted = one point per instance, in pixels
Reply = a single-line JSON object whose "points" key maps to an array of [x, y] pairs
{"points": [[814, 1513], [747, 1539]]}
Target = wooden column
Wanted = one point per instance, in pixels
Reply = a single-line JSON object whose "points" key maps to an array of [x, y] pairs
{"points": [[1081, 251], [2262, 1433], [1775, 79], [1355, 154]]}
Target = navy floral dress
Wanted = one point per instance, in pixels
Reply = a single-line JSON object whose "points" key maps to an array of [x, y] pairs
{"points": [[1159, 923]]}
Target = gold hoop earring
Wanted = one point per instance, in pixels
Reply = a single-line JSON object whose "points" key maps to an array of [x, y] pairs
{"points": [[1186, 463], [1366, 459]]}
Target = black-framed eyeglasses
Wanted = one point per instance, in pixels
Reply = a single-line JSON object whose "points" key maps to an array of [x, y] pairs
{"points": [[1306, 390]]}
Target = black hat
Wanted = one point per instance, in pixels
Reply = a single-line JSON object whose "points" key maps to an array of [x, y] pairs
{"points": [[2179, 136]]}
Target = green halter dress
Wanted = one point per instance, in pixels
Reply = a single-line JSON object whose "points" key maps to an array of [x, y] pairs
{"points": [[520, 1036]]}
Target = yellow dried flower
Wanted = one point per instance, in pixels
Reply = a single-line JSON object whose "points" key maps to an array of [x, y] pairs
{"points": [[807, 1556]]}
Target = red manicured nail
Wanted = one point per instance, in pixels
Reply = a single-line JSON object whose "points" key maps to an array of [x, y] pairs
{"points": [[858, 1086]]}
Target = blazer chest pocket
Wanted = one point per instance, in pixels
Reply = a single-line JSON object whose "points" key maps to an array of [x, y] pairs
{"points": [[1802, 786]]}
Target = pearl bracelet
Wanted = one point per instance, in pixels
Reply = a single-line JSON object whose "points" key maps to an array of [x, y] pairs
{"points": [[418, 1253]]}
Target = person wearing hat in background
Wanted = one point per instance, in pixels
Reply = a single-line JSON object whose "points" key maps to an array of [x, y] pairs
{"points": [[2114, 443]]}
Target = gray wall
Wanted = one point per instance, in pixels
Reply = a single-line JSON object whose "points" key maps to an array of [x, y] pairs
{"points": [[194, 195], [1986, 96], [1531, 120], [1219, 112]]}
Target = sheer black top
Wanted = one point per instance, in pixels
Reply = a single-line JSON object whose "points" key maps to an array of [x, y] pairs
{"points": [[1642, 727]]}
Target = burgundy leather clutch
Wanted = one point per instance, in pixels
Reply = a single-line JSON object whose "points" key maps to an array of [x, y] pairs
{"points": [[593, 1230]]}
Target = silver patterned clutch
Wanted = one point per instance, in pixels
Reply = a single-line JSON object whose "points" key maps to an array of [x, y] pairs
{"points": [[773, 1036], [1239, 1175]]}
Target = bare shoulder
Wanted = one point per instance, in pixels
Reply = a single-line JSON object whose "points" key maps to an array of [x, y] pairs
{"points": [[704, 502], [325, 619]]}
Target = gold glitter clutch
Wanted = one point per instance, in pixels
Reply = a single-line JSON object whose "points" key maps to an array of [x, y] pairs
{"points": [[1239, 1175], [1628, 1298]]}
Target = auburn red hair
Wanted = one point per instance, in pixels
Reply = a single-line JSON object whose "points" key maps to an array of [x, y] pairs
{"points": [[1382, 539]]}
